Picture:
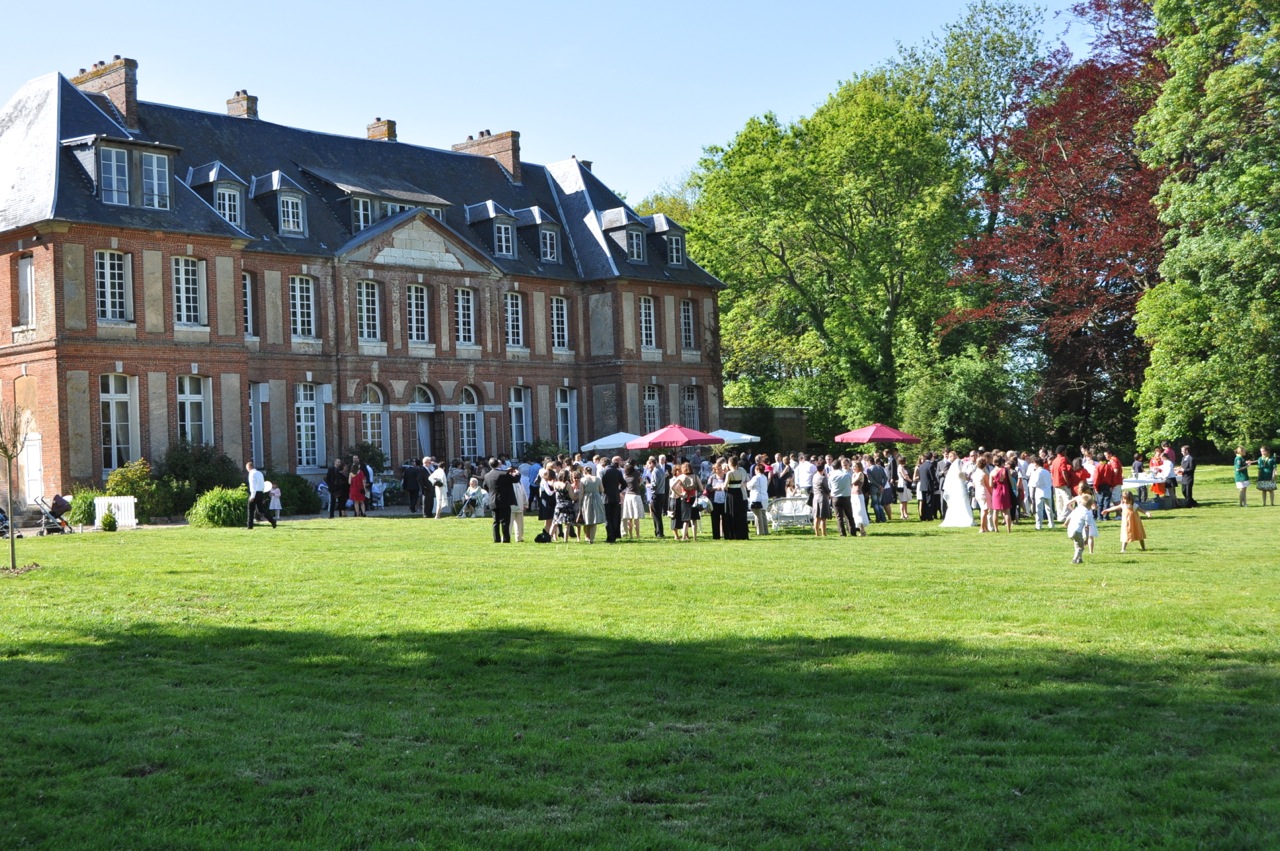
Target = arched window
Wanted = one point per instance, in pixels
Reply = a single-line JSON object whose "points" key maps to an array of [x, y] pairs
{"points": [[423, 409], [470, 425], [373, 419]]}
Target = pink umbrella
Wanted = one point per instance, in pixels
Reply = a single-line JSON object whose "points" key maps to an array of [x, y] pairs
{"points": [[674, 435], [876, 433]]}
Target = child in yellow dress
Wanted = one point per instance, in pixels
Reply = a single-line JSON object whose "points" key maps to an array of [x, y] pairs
{"points": [[1131, 528]]}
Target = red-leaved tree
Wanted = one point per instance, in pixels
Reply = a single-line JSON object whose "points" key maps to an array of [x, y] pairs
{"points": [[1077, 240]]}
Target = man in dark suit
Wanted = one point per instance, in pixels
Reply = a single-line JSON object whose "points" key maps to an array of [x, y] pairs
{"points": [[612, 483], [658, 507], [427, 488], [502, 495], [411, 482], [928, 488]]}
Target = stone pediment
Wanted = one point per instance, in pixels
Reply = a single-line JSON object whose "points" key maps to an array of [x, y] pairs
{"points": [[418, 242]]}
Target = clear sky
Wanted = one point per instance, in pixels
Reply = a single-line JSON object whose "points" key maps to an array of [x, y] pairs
{"points": [[640, 89]]}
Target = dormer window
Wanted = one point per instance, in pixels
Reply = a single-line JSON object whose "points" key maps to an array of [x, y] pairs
{"points": [[549, 245], [675, 250], [435, 212], [155, 181], [390, 208], [504, 240], [361, 214], [635, 246], [291, 221], [115, 176], [229, 203]]}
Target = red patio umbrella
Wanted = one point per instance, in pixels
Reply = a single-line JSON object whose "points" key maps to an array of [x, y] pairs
{"points": [[876, 433], [674, 435]]}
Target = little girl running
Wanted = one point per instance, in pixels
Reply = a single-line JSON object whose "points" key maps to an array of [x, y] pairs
{"points": [[1131, 528], [1079, 525]]}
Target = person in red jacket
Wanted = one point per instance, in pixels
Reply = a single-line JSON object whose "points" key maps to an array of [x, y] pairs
{"points": [[1103, 481], [1060, 473]]}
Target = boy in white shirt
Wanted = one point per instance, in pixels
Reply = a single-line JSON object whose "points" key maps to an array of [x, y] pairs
{"points": [[1040, 486], [1080, 526]]}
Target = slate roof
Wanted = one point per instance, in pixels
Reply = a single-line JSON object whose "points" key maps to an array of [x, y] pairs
{"points": [[47, 172]]}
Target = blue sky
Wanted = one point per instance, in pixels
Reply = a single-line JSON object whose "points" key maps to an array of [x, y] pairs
{"points": [[639, 89]]}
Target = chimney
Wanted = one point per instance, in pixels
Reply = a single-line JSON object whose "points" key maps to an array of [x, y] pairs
{"points": [[118, 80], [243, 105], [504, 147], [382, 131]]}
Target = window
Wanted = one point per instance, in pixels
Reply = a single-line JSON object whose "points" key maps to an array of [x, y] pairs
{"points": [[111, 282], [514, 311], [228, 203], [435, 212], [675, 250], [464, 322], [361, 213], [368, 325], [503, 245], [417, 303], [115, 176], [390, 209], [549, 241], [559, 322], [652, 408], [155, 181], [648, 330], [687, 338], [519, 409], [306, 432], [188, 291], [470, 430], [302, 322], [192, 409], [246, 288], [291, 214], [423, 411], [371, 417], [115, 392], [635, 245], [567, 418], [689, 408], [26, 291]]}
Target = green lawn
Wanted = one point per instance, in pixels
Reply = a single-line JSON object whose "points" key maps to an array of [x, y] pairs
{"points": [[395, 682]]}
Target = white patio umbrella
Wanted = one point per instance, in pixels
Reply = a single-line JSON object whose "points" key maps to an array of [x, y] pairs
{"points": [[735, 438], [618, 440]]}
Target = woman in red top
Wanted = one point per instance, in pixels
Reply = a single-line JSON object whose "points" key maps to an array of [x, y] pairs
{"points": [[357, 485]]}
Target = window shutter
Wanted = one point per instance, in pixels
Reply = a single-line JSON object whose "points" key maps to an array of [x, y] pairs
{"points": [[128, 287], [202, 289]]}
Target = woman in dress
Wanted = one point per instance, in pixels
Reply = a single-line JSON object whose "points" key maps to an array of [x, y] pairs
{"points": [[716, 485], [566, 514], [546, 498], [632, 499], [1241, 466], [1001, 496], [821, 502], [735, 521], [1266, 475], [955, 486], [591, 510], [981, 482], [859, 485], [684, 490], [1131, 528], [906, 488], [758, 497], [356, 483]]}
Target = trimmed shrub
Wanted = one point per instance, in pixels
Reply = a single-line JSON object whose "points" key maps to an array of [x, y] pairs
{"points": [[369, 454], [109, 522], [297, 495], [134, 479], [220, 508], [189, 469], [82, 512]]}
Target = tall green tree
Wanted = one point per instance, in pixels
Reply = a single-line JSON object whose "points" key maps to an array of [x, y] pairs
{"points": [[837, 229], [1213, 323]]}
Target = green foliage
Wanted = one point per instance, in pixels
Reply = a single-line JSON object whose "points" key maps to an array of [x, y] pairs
{"points": [[109, 523], [82, 511], [674, 199], [188, 470], [297, 495], [134, 479], [971, 396], [220, 507], [545, 448], [369, 454]]}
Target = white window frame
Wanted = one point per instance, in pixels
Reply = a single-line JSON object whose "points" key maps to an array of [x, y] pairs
{"points": [[435, 212], [114, 178], [361, 214], [293, 217], [567, 418], [246, 304], [113, 286], [189, 291], [26, 292], [504, 239], [635, 246], [513, 315], [519, 415], [675, 250], [690, 408], [368, 311], [118, 411], [648, 323], [394, 208], [302, 306], [470, 426], [688, 325], [464, 316], [559, 323], [549, 245], [195, 410], [373, 417], [418, 308], [229, 200], [306, 426], [651, 408], [155, 181]]}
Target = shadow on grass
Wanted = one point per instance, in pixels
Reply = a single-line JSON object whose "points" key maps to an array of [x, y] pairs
{"points": [[526, 738]]}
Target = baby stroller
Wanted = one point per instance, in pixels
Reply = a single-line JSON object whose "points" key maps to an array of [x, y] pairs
{"points": [[51, 522], [5, 528]]}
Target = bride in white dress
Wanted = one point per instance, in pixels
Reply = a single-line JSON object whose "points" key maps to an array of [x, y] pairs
{"points": [[956, 489]]}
